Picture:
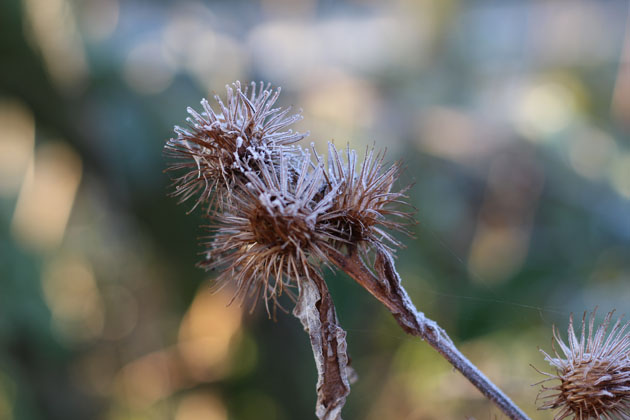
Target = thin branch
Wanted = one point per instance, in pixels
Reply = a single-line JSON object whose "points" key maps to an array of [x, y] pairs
{"points": [[388, 289]]}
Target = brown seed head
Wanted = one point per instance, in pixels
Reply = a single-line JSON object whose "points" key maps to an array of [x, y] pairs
{"points": [[364, 202], [216, 146], [593, 370], [265, 237]]}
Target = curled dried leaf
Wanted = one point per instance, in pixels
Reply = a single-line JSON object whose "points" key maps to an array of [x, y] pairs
{"points": [[316, 312]]}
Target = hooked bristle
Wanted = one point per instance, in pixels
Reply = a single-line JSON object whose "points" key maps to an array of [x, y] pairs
{"points": [[593, 371], [364, 211], [217, 145], [264, 239]]}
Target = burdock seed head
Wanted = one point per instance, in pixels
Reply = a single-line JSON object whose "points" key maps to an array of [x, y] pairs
{"points": [[365, 207], [217, 146], [593, 370], [264, 238]]}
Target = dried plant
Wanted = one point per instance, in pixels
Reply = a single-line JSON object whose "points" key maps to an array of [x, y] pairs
{"points": [[276, 216], [593, 371], [215, 147], [268, 231], [360, 216]]}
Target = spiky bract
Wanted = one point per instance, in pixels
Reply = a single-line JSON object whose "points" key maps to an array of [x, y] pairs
{"points": [[593, 370], [275, 212], [364, 201], [265, 237], [216, 146]]}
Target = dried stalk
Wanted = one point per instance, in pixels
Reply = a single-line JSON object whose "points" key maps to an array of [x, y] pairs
{"points": [[316, 312], [388, 289]]}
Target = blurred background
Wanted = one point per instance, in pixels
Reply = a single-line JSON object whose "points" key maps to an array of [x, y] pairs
{"points": [[512, 119]]}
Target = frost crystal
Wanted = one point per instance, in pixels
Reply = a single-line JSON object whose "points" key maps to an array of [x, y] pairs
{"points": [[216, 147], [269, 230]]}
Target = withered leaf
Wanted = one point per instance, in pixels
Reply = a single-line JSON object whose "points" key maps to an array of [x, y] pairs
{"points": [[316, 312]]}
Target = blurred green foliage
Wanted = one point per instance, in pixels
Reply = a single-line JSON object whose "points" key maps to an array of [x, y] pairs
{"points": [[511, 118]]}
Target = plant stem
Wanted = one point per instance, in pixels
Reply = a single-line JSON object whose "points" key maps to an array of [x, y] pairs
{"points": [[388, 289]]}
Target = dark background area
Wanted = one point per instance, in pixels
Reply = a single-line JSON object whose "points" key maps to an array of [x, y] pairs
{"points": [[512, 121]]}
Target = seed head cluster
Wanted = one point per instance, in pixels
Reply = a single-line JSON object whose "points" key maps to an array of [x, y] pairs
{"points": [[273, 209], [593, 371]]}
